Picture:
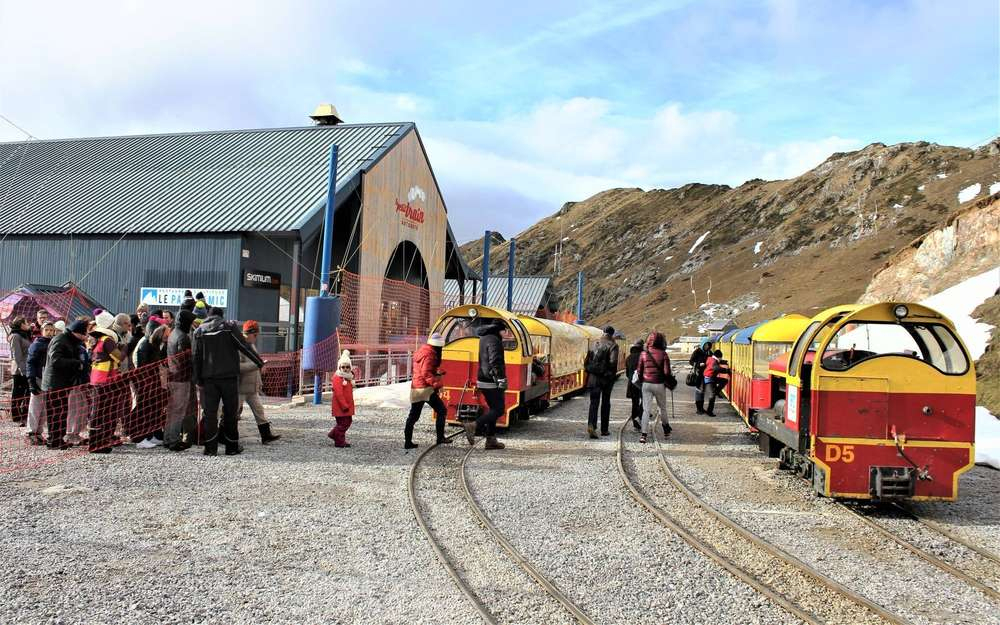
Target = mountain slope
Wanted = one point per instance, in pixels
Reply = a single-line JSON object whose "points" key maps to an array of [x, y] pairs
{"points": [[763, 248]]}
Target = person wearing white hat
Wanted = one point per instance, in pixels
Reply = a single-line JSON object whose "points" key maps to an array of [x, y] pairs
{"points": [[342, 406], [427, 381]]}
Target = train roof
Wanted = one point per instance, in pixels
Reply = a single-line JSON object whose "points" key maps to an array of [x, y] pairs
{"points": [[742, 336], [883, 311], [784, 329]]}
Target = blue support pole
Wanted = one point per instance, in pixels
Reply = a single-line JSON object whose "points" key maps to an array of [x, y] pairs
{"points": [[579, 297], [486, 267], [510, 275], [325, 279]]}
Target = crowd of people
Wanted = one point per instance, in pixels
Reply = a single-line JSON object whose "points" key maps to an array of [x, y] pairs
{"points": [[145, 375], [100, 379]]}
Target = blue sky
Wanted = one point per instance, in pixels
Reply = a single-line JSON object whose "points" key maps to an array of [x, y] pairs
{"points": [[523, 106]]}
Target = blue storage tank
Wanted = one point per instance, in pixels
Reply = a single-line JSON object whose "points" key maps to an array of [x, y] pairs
{"points": [[320, 348]]}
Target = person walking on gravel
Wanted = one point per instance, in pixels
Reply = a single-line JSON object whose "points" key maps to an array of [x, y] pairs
{"points": [[697, 362], [601, 365], [251, 385], [656, 378], [215, 364], [427, 381], [342, 406], [491, 379], [633, 391]]}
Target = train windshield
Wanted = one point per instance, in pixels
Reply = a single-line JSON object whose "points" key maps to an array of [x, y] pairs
{"points": [[931, 343], [455, 328]]}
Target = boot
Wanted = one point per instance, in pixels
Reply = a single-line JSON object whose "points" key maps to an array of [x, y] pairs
{"points": [[265, 434], [470, 431], [410, 445], [591, 432], [711, 407], [493, 443], [699, 406], [233, 449], [443, 441], [666, 429], [211, 449]]}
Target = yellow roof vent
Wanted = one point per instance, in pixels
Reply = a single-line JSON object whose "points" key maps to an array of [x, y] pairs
{"points": [[326, 115]]}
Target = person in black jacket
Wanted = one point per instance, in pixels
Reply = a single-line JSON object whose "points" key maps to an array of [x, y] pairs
{"points": [[215, 366], [634, 392], [62, 371], [492, 382], [36, 366], [182, 418], [697, 362], [602, 368]]}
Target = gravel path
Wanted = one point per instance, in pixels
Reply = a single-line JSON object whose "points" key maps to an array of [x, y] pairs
{"points": [[779, 576], [296, 532], [976, 515], [507, 591], [782, 508], [557, 496]]}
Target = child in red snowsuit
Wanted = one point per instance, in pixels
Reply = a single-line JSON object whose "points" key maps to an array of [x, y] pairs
{"points": [[342, 406]]}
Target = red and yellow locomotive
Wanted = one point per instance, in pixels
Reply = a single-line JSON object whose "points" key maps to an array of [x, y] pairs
{"points": [[544, 360], [866, 401]]}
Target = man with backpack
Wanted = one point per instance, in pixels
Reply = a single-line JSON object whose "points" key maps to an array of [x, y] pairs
{"points": [[602, 369]]}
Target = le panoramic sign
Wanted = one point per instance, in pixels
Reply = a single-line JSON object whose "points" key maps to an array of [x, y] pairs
{"points": [[257, 279], [160, 296]]}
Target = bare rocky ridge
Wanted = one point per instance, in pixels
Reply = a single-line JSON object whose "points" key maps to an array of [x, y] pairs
{"points": [[772, 247]]}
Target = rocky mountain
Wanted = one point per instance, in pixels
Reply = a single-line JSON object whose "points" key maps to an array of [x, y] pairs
{"points": [[675, 259]]}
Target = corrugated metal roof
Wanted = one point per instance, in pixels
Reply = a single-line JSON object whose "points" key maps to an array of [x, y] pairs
{"points": [[267, 180], [529, 293]]}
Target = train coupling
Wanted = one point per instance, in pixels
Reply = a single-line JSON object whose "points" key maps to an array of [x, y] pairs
{"points": [[892, 482], [468, 412]]}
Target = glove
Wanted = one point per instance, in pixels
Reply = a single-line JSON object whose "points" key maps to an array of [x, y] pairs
{"points": [[502, 383]]}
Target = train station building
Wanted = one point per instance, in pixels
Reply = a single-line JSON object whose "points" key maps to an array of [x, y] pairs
{"points": [[237, 215]]}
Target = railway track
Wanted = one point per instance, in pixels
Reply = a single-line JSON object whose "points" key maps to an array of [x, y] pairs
{"points": [[790, 583], [452, 568], [969, 563]]}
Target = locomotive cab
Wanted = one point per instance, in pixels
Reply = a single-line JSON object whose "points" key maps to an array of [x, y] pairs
{"points": [[879, 404]]}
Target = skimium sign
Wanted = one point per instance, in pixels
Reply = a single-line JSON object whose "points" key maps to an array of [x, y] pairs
{"points": [[159, 296]]}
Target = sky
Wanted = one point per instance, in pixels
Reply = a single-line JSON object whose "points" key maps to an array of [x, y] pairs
{"points": [[522, 106]]}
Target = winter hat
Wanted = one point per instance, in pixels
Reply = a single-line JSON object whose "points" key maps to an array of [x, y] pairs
{"points": [[345, 359], [184, 320], [251, 327], [609, 331], [200, 296], [435, 340], [77, 327], [61, 326]]}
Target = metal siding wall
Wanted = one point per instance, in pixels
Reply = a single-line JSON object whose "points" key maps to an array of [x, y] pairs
{"points": [[56, 260], [262, 304]]}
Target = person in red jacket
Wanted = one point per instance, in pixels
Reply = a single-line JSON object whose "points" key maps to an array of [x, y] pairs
{"points": [[342, 405], [424, 388]]}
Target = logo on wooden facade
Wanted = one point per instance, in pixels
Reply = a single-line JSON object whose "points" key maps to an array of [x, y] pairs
{"points": [[410, 215]]}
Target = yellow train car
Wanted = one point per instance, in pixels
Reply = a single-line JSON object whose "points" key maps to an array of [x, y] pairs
{"points": [[543, 357]]}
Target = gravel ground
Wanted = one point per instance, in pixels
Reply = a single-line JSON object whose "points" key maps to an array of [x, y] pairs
{"points": [[558, 497], [302, 532], [780, 577], [295, 532], [506, 590], [976, 514], [782, 508]]}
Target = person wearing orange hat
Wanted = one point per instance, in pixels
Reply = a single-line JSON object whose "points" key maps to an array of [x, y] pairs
{"points": [[251, 385]]}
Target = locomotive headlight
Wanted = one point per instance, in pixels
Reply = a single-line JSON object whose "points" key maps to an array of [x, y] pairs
{"points": [[900, 311], [473, 312]]}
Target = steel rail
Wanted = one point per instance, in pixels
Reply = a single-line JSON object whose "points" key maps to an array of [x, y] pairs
{"points": [[528, 568], [769, 547], [922, 554], [940, 529], [436, 546], [703, 546]]}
